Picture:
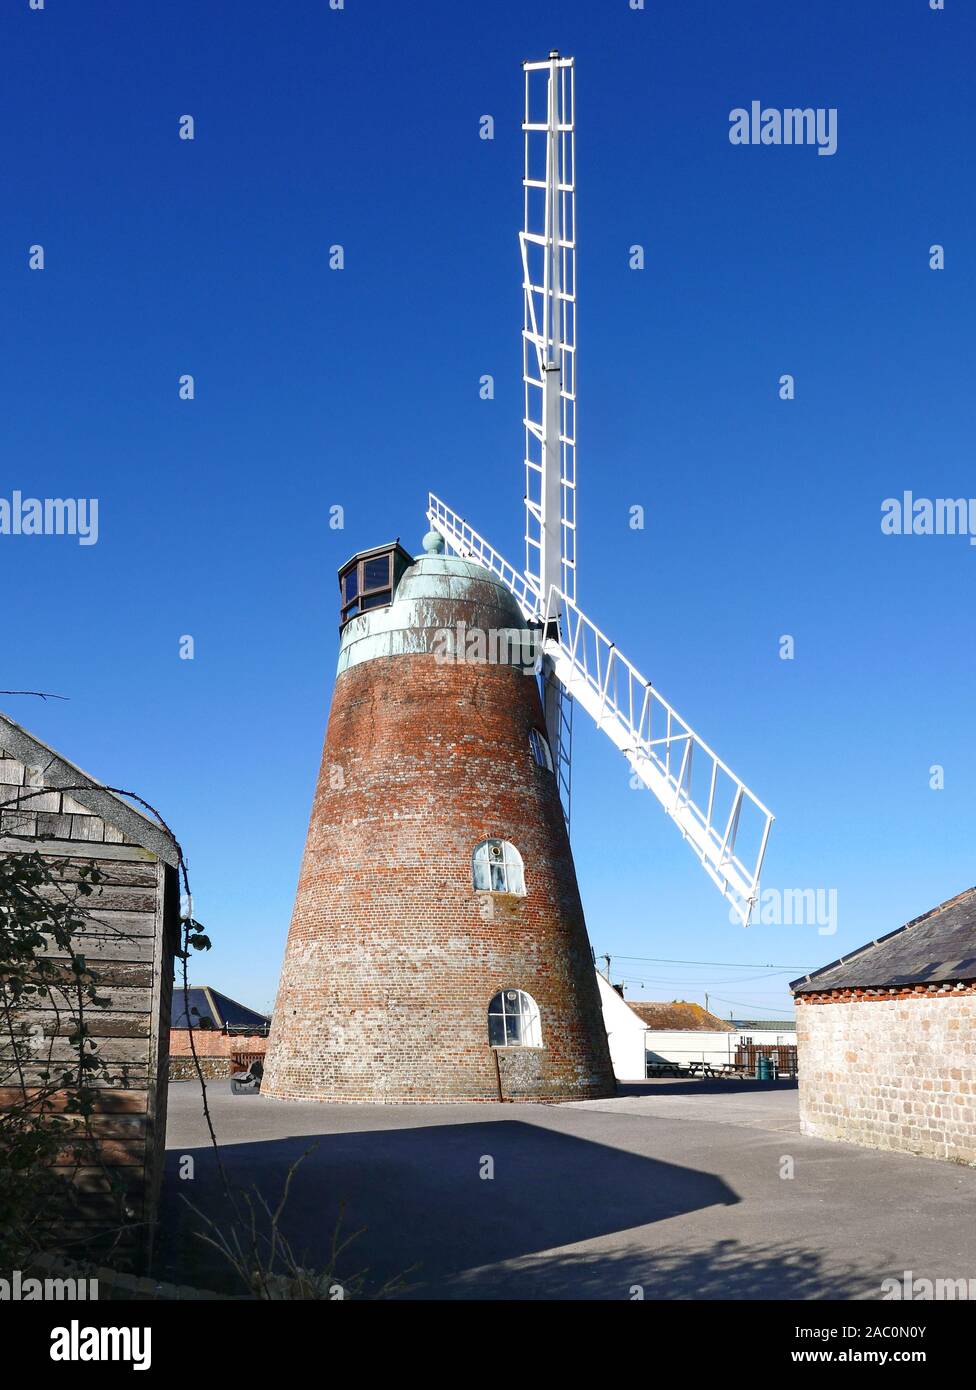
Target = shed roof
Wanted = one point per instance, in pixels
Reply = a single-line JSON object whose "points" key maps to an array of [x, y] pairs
{"points": [[764, 1025], [58, 773], [210, 1009], [679, 1016], [937, 947]]}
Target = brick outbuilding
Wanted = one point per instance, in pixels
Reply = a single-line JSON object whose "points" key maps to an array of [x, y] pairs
{"points": [[227, 1035], [887, 1039]]}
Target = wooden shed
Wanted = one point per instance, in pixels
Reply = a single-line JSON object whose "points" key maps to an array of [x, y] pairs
{"points": [[129, 940]]}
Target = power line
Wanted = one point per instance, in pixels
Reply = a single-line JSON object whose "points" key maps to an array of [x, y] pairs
{"points": [[738, 1004], [667, 986], [658, 982], [731, 964]]}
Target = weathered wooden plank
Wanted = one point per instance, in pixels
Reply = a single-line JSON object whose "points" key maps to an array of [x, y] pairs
{"points": [[116, 873], [96, 948], [104, 1122], [106, 921], [123, 1048], [88, 1153], [108, 974], [98, 1222], [120, 1000], [108, 1220], [87, 828], [160, 1020], [94, 1182], [131, 1128], [54, 824], [68, 872], [113, 1102], [38, 799], [43, 1024], [10, 843], [59, 1049], [99, 1231], [11, 773], [18, 823], [106, 897], [123, 1076]]}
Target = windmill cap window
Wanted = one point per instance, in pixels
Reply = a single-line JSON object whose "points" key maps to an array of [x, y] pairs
{"points": [[369, 579]]}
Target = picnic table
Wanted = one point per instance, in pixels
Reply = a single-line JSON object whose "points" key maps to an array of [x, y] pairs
{"points": [[702, 1069]]}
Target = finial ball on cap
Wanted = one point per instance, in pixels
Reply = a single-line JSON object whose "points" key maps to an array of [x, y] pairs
{"points": [[434, 543]]}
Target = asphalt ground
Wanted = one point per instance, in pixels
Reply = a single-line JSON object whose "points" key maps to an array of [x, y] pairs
{"points": [[683, 1190]]}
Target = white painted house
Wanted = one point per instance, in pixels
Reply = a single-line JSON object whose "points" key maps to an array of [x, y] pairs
{"points": [[643, 1032], [625, 1033]]}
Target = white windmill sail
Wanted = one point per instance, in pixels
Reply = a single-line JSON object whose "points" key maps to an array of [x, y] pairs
{"points": [[725, 824], [548, 248], [718, 816]]}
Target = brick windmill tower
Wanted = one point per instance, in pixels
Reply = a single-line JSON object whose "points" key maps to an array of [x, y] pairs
{"points": [[438, 949]]}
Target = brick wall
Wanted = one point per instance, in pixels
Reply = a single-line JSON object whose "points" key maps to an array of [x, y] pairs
{"points": [[891, 1071], [216, 1052], [392, 957]]}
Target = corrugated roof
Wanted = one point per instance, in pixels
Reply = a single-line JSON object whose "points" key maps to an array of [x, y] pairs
{"points": [[679, 1016], [937, 947]]}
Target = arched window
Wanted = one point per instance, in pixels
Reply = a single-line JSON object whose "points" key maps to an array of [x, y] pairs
{"points": [[540, 749], [513, 1020], [496, 867]]}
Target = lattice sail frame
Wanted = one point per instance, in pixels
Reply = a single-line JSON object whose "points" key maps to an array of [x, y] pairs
{"points": [[711, 806], [548, 249]]}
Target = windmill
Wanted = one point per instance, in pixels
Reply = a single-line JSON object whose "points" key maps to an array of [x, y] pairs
{"points": [[438, 949], [723, 822]]}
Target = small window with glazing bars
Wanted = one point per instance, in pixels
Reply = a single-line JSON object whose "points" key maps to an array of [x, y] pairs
{"points": [[366, 583]]}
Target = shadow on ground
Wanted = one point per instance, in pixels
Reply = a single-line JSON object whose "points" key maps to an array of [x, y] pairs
{"points": [[705, 1087], [422, 1204], [724, 1269]]}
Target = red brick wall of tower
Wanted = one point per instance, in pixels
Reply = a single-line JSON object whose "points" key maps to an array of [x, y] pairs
{"points": [[392, 956]]}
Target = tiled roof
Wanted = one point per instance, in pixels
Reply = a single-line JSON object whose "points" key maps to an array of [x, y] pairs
{"points": [[679, 1016], [209, 1009], [932, 949]]}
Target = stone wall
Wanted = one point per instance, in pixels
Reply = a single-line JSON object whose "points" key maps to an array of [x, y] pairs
{"points": [[891, 1071]]}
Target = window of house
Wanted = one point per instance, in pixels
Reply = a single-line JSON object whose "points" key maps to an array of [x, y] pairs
{"points": [[496, 867], [513, 1020], [540, 749]]}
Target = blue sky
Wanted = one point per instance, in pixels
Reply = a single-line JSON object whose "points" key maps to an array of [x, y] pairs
{"points": [[360, 388]]}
